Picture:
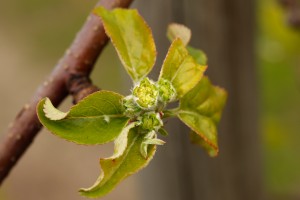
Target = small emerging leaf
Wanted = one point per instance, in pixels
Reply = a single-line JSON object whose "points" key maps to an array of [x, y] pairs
{"points": [[181, 69], [149, 139], [97, 119], [163, 132], [132, 39], [155, 141], [179, 31], [184, 33], [115, 170], [198, 55], [201, 109]]}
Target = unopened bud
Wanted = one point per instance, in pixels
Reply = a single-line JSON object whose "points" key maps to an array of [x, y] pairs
{"points": [[146, 94], [166, 90], [151, 121]]}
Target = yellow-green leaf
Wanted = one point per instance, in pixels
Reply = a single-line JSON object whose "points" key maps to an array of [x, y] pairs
{"points": [[198, 55], [181, 69], [179, 31], [184, 33], [97, 119], [201, 109], [132, 39], [116, 169]]}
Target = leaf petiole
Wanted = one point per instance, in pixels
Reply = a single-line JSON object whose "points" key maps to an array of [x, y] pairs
{"points": [[170, 113]]}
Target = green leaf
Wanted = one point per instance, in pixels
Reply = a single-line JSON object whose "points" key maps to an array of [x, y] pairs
{"points": [[132, 39], [179, 31], [199, 56], [97, 119], [115, 170], [181, 69], [201, 109]]}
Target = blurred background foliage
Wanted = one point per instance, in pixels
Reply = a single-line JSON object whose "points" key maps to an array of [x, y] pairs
{"points": [[278, 57], [33, 36]]}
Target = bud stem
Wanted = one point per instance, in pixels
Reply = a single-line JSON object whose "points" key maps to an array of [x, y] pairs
{"points": [[170, 113]]}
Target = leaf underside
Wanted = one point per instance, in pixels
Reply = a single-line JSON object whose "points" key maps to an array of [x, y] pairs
{"points": [[179, 31], [132, 39], [201, 109], [116, 169], [97, 119]]}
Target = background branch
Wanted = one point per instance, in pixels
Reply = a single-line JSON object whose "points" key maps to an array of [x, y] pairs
{"points": [[70, 76]]}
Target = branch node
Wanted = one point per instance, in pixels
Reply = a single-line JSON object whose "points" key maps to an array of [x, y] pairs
{"points": [[80, 86]]}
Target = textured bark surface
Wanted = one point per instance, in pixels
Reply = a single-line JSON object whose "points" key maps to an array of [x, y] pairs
{"points": [[225, 31], [78, 61]]}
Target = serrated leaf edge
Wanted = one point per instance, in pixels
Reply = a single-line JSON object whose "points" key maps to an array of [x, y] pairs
{"points": [[148, 29], [196, 131], [83, 191]]}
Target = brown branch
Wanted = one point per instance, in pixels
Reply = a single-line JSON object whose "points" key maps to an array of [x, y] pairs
{"points": [[69, 76]]}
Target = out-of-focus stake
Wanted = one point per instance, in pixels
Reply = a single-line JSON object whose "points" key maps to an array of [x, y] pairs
{"points": [[70, 76]]}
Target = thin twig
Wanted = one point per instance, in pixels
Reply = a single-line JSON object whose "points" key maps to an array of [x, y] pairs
{"points": [[78, 61]]}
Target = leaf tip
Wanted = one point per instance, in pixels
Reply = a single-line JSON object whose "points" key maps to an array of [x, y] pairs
{"points": [[179, 31], [99, 11]]}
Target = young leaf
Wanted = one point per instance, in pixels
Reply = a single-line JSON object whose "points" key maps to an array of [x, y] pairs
{"points": [[132, 39], [146, 143], [199, 56], [179, 31], [181, 69], [115, 170], [184, 33], [97, 119], [163, 132], [201, 109], [149, 139]]}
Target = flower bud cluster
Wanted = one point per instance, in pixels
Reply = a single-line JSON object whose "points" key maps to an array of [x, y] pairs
{"points": [[147, 100]]}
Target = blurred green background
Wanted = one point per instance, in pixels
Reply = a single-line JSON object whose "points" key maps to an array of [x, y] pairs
{"points": [[278, 57], [33, 38]]}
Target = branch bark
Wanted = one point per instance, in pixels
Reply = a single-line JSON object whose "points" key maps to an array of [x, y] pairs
{"points": [[70, 76]]}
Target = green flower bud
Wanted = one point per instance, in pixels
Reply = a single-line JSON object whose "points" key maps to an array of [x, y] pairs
{"points": [[151, 121], [166, 90], [146, 94], [131, 108]]}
